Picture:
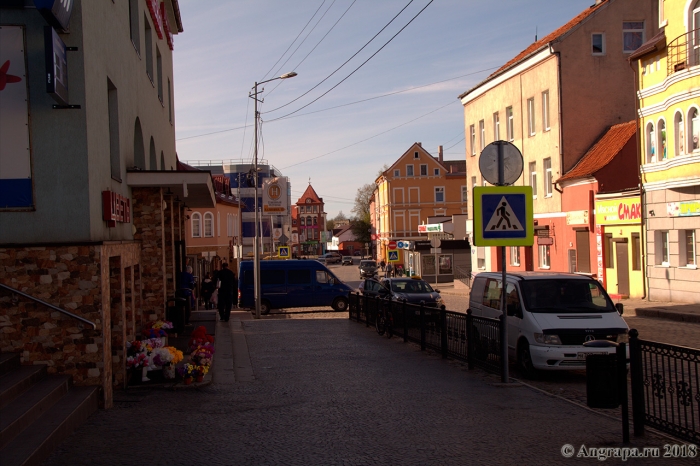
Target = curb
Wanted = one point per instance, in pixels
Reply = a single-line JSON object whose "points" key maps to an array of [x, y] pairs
{"points": [[667, 315]]}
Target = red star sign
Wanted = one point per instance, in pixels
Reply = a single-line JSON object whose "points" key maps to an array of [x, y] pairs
{"points": [[7, 78]]}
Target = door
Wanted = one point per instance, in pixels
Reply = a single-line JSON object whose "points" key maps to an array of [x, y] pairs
{"points": [[696, 34], [529, 265], [623, 268], [583, 252]]}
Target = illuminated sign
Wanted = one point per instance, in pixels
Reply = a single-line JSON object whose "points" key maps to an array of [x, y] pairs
{"points": [[115, 208], [618, 211]]}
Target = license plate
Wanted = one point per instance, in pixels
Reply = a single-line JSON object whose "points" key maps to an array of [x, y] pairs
{"points": [[583, 355]]}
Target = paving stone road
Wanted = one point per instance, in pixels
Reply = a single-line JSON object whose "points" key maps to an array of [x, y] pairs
{"points": [[331, 392]]}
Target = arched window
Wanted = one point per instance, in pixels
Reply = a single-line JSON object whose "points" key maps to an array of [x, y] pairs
{"points": [[661, 139], [152, 162], [315, 220], [308, 221], [139, 151], [651, 143], [301, 221], [196, 225], [679, 133], [693, 130], [208, 225]]}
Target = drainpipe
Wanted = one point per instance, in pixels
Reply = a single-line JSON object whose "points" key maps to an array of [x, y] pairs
{"points": [[642, 192]]}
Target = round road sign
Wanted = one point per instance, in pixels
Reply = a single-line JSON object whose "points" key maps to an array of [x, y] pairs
{"points": [[512, 163], [392, 245]]}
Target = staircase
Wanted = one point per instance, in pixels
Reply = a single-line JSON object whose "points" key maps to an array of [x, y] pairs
{"points": [[37, 411]]}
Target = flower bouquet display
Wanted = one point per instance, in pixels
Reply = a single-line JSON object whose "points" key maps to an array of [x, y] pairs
{"points": [[200, 338], [157, 329], [188, 372], [139, 354], [166, 358], [202, 355]]}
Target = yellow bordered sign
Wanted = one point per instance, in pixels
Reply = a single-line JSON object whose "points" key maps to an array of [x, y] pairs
{"points": [[503, 216], [283, 252]]}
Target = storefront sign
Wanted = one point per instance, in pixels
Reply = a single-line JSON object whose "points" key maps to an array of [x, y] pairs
{"points": [[115, 208], [431, 228], [542, 241], [683, 208], [56, 66], [577, 217], [627, 211], [275, 199], [56, 12]]}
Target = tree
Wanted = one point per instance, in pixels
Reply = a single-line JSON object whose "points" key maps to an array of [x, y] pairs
{"points": [[363, 198], [330, 223], [361, 229]]}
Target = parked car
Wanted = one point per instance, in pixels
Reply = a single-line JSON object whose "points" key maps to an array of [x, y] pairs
{"points": [[550, 316], [288, 284], [372, 287], [413, 290], [330, 258], [368, 269], [358, 254], [347, 260]]}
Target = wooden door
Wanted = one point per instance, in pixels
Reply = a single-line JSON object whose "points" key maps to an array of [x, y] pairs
{"points": [[623, 268], [583, 252]]}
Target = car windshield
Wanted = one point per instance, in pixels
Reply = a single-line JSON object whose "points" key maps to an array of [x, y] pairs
{"points": [[410, 286], [565, 295], [368, 264]]}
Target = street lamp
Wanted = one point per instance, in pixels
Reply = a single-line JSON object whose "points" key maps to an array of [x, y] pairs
{"points": [[258, 233]]}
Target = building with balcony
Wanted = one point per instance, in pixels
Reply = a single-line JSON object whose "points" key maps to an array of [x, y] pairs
{"points": [[554, 101], [668, 89]]}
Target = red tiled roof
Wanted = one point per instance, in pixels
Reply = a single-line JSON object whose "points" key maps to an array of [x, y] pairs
{"points": [[309, 194], [602, 151], [535, 46]]}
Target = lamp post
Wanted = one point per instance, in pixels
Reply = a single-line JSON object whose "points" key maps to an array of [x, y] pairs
{"points": [[258, 233]]}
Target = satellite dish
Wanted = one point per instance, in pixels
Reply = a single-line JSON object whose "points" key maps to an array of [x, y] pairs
{"points": [[512, 163]]}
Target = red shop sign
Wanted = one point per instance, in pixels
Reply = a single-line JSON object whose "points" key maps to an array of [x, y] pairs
{"points": [[115, 208]]}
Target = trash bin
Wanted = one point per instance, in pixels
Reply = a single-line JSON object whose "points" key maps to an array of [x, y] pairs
{"points": [[175, 313], [602, 388]]}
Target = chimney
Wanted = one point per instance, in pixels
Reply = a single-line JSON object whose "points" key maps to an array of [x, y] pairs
{"points": [[420, 144], [440, 154]]}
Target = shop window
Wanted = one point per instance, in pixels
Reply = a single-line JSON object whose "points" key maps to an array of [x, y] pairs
{"points": [[514, 255], [196, 225], [481, 257], [445, 264], [636, 252], [688, 248], [609, 251], [544, 258], [662, 246]]}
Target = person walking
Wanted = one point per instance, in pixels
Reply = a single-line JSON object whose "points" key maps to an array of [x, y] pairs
{"points": [[389, 269], [227, 285], [207, 289]]}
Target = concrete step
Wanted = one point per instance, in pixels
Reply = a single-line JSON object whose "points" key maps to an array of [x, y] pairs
{"points": [[35, 443], [9, 362], [30, 405], [17, 381]]}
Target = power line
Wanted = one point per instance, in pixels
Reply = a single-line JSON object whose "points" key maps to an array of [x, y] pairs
{"points": [[346, 61], [367, 139], [361, 65], [454, 144]]}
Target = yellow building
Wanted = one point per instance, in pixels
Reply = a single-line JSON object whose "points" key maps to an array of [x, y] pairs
{"points": [[668, 76], [413, 188]]}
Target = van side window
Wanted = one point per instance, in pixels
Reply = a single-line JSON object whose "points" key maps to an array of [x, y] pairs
{"points": [[299, 277], [513, 301], [272, 277], [492, 294], [321, 276]]}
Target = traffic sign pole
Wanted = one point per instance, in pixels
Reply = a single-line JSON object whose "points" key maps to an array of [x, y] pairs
{"points": [[504, 316]]}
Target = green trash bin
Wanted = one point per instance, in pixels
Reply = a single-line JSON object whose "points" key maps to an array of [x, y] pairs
{"points": [[602, 386]]}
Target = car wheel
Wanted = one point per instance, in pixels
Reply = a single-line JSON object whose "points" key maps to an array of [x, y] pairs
{"points": [[525, 361], [340, 304], [264, 307]]}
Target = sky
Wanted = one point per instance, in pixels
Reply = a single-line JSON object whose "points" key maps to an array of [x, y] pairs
{"points": [[406, 91]]}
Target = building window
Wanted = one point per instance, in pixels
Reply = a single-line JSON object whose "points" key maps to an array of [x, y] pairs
{"points": [[544, 256], [208, 225], [609, 251], [688, 247], [545, 110], [315, 220], [531, 116], [134, 25], [439, 194], [514, 255], [694, 130], [473, 182], [196, 225], [598, 43], [113, 115], [547, 177], [464, 194], [533, 179], [159, 74], [308, 221], [651, 143], [423, 170], [472, 139], [632, 35], [496, 127], [409, 170], [416, 155], [662, 13], [397, 172], [679, 133], [481, 257], [148, 36], [170, 104], [636, 252], [664, 257], [436, 172], [509, 126], [482, 135], [301, 221]]}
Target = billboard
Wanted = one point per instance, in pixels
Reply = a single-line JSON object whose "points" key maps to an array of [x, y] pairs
{"points": [[275, 200], [621, 211]]}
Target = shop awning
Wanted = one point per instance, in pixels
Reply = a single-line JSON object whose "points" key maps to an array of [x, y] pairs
{"points": [[195, 188]]}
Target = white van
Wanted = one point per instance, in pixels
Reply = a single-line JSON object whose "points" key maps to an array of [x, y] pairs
{"points": [[550, 316]]}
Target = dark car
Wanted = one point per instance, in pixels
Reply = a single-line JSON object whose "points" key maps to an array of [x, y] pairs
{"points": [[368, 269], [347, 260], [372, 287], [412, 290]]}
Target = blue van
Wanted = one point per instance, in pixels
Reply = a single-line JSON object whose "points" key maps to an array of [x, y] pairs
{"points": [[291, 283]]}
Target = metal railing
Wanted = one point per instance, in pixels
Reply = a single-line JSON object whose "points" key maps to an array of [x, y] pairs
{"points": [[665, 388], [683, 52], [50, 306], [463, 275], [455, 335]]}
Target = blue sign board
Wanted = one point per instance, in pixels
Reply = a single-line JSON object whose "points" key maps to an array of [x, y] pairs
{"points": [[503, 216]]}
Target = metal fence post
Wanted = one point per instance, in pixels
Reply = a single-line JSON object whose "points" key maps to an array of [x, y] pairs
{"points": [[443, 331], [621, 355], [422, 326], [366, 306], [470, 339], [637, 377], [405, 320]]}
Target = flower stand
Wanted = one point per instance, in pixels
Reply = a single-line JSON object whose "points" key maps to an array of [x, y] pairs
{"points": [[169, 371]]}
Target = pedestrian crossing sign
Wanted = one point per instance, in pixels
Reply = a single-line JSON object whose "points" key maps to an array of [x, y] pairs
{"points": [[393, 255], [283, 252], [503, 216]]}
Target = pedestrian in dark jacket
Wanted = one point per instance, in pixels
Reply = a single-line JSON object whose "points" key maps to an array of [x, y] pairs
{"points": [[227, 287]]}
